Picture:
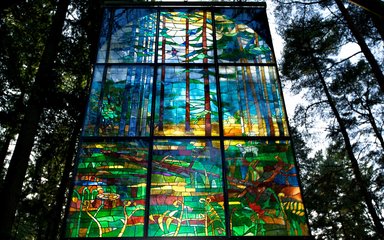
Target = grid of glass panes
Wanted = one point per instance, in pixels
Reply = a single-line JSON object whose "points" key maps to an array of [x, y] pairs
{"points": [[185, 131]]}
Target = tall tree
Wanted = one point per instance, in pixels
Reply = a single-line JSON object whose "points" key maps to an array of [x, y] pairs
{"points": [[44, 83], [336, 210], [309, 41], [363, 45]]}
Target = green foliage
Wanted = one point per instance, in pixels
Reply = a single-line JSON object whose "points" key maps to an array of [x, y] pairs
{"points": [[340, 94], [24, 28]]}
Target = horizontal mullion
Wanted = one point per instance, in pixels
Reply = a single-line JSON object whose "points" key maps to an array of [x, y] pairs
{"points": [[184, 4], [186, 64], [125, 138]]}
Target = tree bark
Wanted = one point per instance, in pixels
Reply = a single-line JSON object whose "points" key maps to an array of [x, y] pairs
{"points": [[354, 163], [53, 227], [364, 47], [19, 163], [4, 153]]}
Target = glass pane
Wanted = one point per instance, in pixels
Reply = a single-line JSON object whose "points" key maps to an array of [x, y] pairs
{"points": [[124, 109], [108, 198], [185, 36], [91, 117], [186, 189], [102, 52], [242, 36], [186, 102], [264, 193], [251, 100], [133, 36]]}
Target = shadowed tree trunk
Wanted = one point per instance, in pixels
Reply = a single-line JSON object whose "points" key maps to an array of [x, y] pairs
{"points": [[4, 152], [53, 227], [363, 188], [10, 194], [364, 47]]}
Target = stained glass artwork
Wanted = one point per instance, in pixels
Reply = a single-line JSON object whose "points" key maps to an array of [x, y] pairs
{"points": [[186, 102], [263, 191], [108, 197], [133, 36], [185, 36], [185, 132], [102, 51], [186, 189], [242, 36], [120, 106], [251, 102]]}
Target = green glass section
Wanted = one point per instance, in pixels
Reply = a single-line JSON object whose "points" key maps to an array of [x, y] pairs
{"points": [[263, 191], [251, 102], [242, 36], [120, 105], [186, 102], [185, 36], [109, 191], [133, 36], [186, 189]]}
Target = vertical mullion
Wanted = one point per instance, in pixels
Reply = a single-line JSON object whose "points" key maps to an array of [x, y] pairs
{"points": [[152, 127], [221, 128]]}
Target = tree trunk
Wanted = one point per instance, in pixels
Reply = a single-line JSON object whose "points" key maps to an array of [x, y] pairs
{"points": [[207, 101], [364, 47], [363, 188], [187, 81], [162, 82], [18, 166], [375, 128], [4, 153], [53, 227]]}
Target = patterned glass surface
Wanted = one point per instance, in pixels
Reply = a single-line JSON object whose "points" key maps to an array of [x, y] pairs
{"points": [[185, 133], [186, 102], [243, 36], [263, 191], [186, 189], [185, 36], [120, 105], [108, 197], [251, 102]]}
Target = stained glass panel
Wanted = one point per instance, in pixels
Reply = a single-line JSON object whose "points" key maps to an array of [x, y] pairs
{"points": [[263, 191], [133, 36], [108, 198], [192, 94], [93, 103], [186, 189], [186, 102], [103, 38], [242, 36], [185, 36], [120, 106], [251, 100]]}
